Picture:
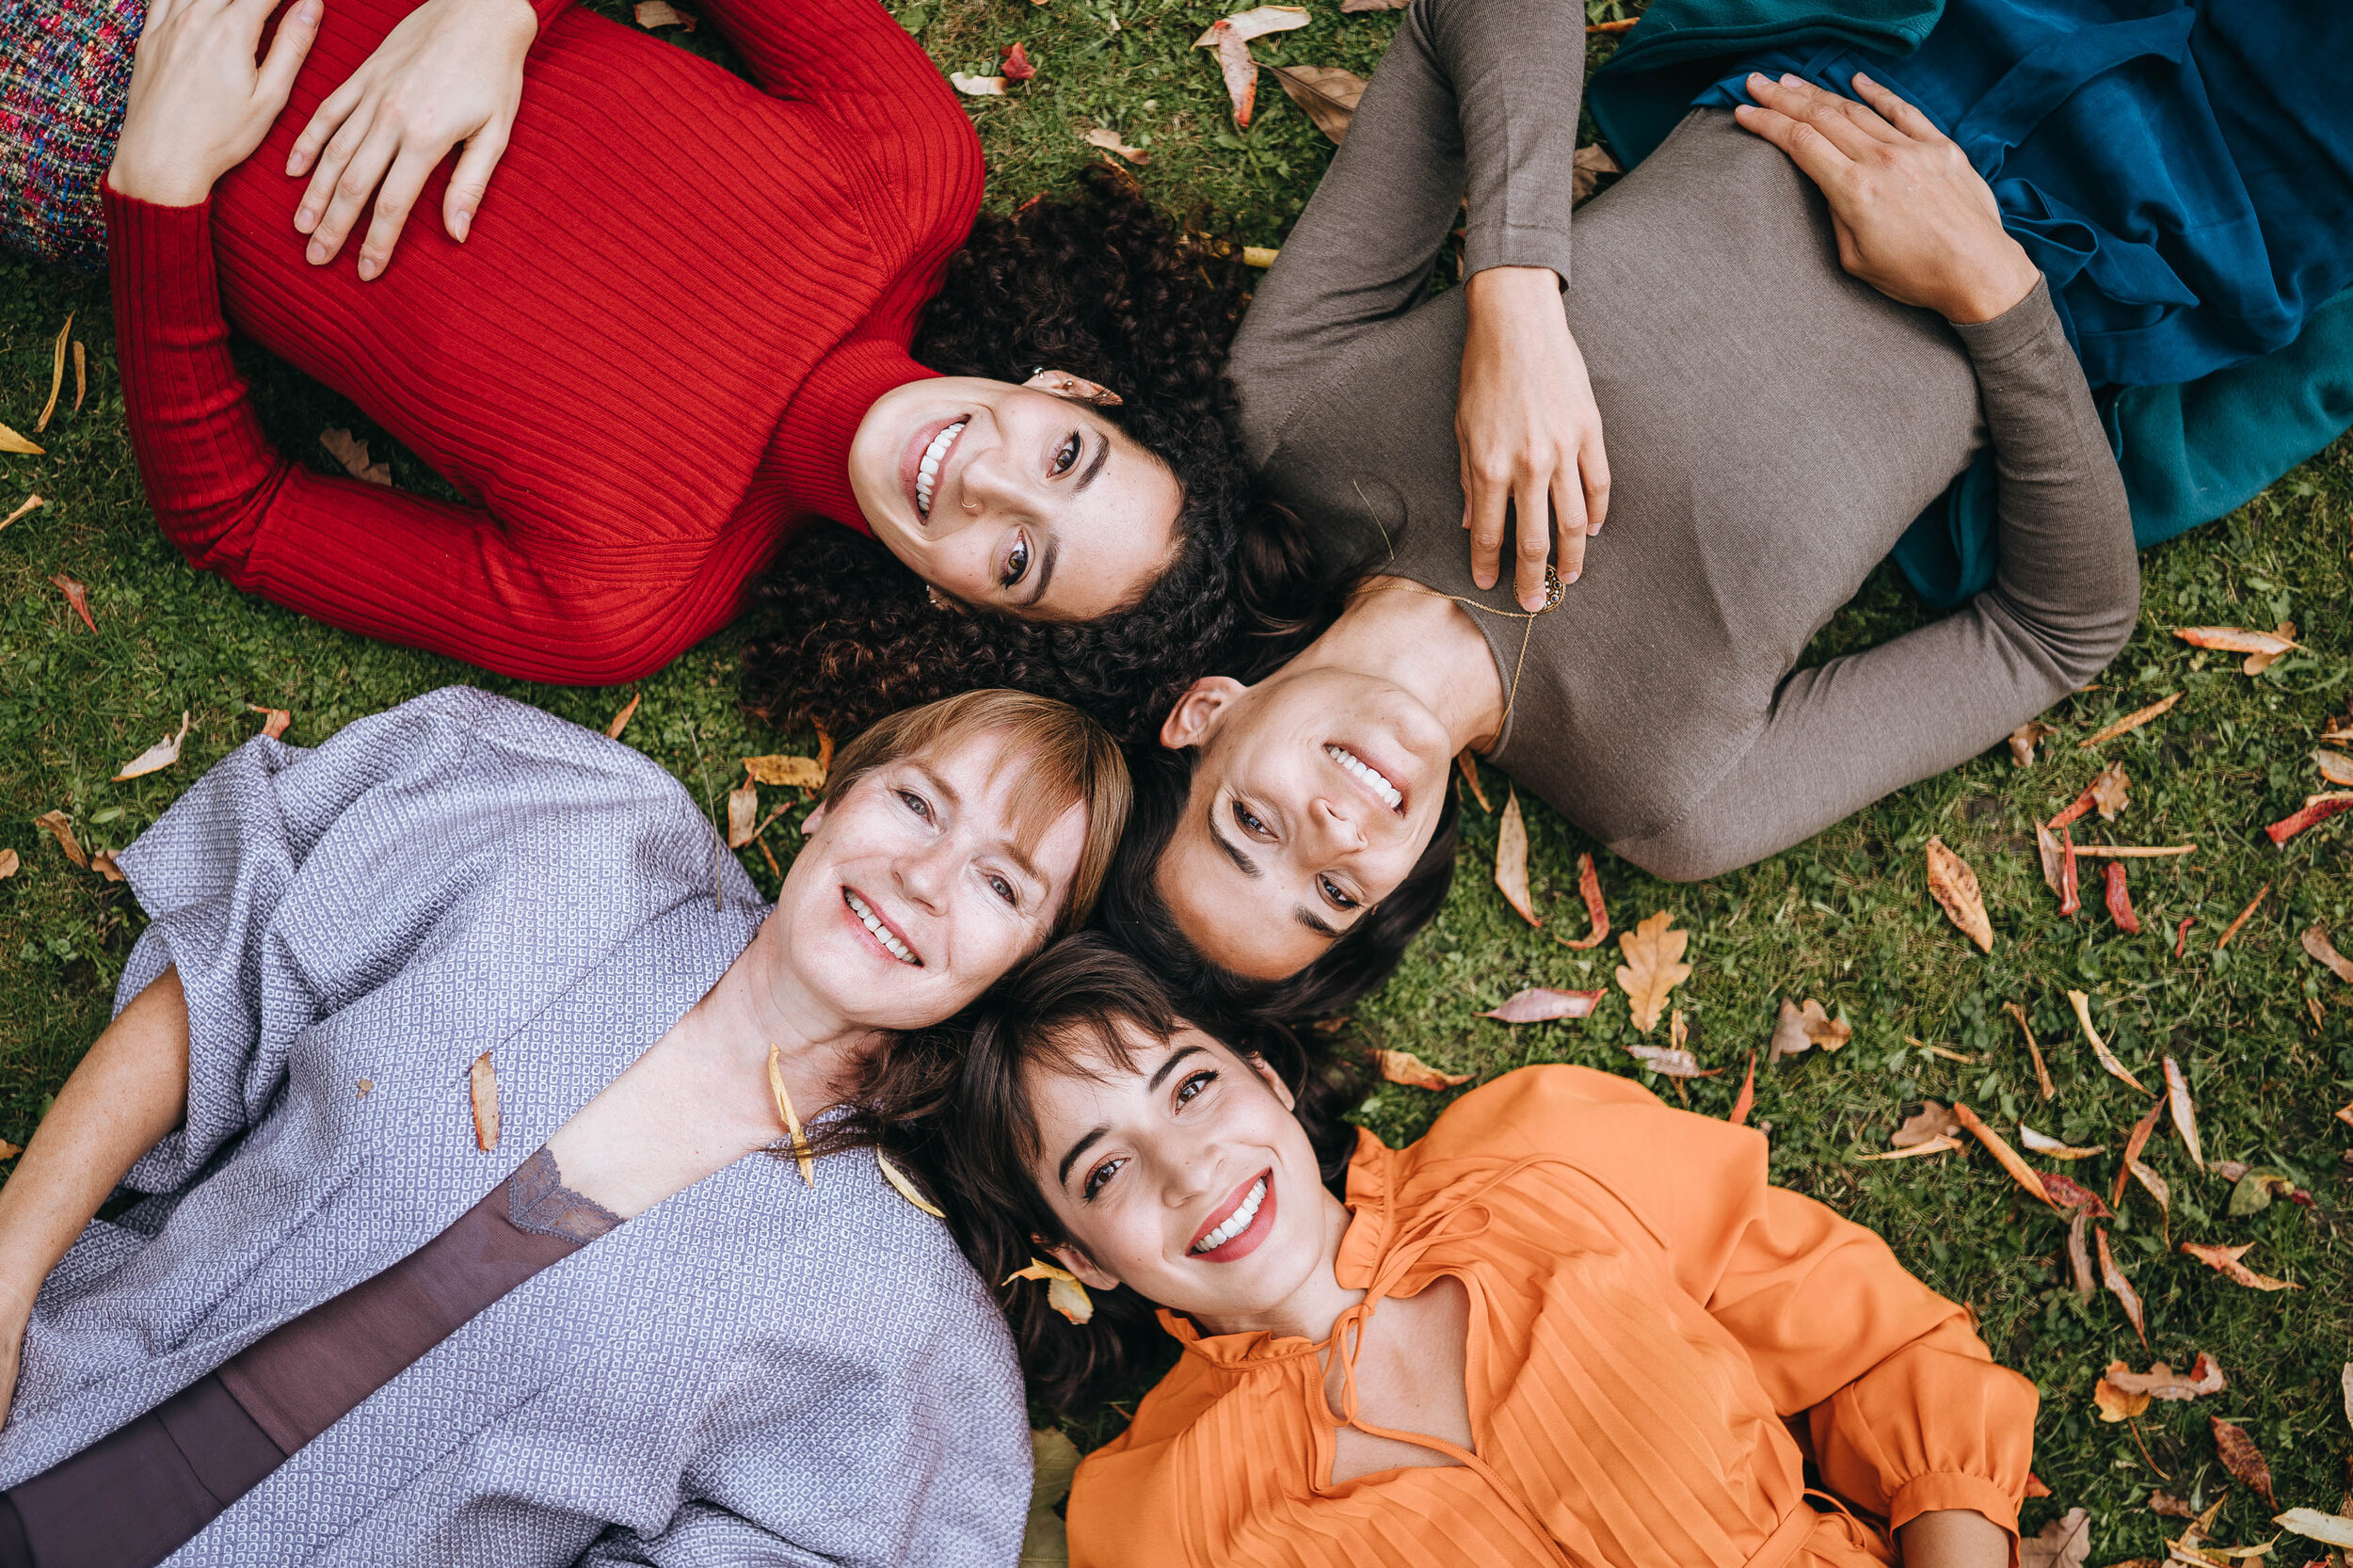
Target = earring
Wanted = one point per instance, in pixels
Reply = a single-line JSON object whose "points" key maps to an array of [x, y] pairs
{"points": [[937, 602]]}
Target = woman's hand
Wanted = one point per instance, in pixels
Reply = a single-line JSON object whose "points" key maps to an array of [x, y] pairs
{"points": [[1913, 220], [198, 105], [452, 71], [1528, 430]]}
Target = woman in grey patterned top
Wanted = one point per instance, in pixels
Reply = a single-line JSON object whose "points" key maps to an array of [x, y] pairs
{"points": [[752, 1366]]}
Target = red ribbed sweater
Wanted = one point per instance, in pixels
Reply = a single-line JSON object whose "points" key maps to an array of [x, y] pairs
{"points": [[642, 371]]}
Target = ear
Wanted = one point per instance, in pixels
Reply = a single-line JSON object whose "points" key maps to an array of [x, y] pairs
{"points": [[1274, 1080], [1195, 717], [1078, 389], [1081, 1265]]}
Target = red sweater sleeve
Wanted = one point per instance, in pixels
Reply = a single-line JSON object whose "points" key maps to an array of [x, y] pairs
{"points": [[364, 558]]}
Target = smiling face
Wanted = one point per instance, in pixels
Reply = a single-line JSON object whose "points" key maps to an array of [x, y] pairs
{"points": [[1313, 797], [1015, 499], [926, 881], [1183, 1175]]}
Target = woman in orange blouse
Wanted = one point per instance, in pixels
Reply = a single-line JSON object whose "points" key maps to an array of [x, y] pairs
{"points": [[1567, 1326]]}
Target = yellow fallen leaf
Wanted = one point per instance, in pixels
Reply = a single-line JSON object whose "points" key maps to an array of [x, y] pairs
{"points": [[1954, 886], [32, 503], [620, 720], [57, 374], [11, 441], [157, 757], [1403, 1066], [1063, 1291], [1652, 966], [2100, 1047], [60, 827], [907, 1189], [2113, 1402], [9, 864], [2225, 1261], [1263, 256], [2130, 722], [802, 773], [2334, 766], [1109, 141], [743, 814], [785, 1111], [1941, 1143], [1512, 859], [2006, 1157], [484, 1089], [1053, 1459]]}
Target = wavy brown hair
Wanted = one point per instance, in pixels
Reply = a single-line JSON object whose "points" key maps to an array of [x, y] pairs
{"points": [[1096, 284]]}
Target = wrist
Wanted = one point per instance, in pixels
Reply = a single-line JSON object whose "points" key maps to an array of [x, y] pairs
{"points": [[163, 186], [1996, 291]]}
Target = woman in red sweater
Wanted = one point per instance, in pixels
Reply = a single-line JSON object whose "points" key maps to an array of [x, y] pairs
{"points": [[677, 331]]}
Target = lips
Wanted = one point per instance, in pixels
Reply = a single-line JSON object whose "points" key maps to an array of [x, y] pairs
{"points": [[1377, 781], [929, 447], [886, 938], [1241, 1223]]}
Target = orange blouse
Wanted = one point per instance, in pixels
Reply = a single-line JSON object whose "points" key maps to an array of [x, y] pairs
{"points": [[1646, 1314]]}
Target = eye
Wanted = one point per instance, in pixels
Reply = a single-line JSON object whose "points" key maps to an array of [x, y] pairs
{"points": [[1193, 1086], [1249, 822], [1098, 1177], [1332, 891], [1017, 562], [915, 804], [1067, 455], [1003, 889]]}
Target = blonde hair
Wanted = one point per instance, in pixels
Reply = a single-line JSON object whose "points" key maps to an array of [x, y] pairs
{"points": [[1071, 760]]}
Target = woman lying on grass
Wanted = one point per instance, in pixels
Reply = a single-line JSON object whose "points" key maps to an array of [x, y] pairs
{"points": [[676, 335], [1567, 1326], [459, 1069]]}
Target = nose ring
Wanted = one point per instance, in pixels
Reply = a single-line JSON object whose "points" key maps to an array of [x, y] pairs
{"points": [[971, 505]]}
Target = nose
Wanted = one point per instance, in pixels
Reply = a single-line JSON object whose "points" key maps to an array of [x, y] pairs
{"points": [[1335, 826], [988, 483], [926, 875]]}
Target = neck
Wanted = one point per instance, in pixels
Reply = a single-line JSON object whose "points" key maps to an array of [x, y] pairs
{"points": [[762, 1001], [1308, 1312], [1424, 642]]}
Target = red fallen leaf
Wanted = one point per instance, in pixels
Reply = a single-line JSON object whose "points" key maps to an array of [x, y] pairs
{"points": [[2119, 901], [2133, 1145], [1512, 854], [1403, 1066], [1239, 70], [2120, 1287], [274, 720], [2243, 1459], [2070, 899], [1747, 1101], [1589, 884], [2225, 1261], [2067, 1192], [2181, 935], [78, 596], [2318, 808], [1015, 66], [2035, 1487], [1539, 1005]]}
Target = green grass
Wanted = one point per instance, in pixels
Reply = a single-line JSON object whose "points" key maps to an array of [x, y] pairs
{"points": [[1845, 918]]}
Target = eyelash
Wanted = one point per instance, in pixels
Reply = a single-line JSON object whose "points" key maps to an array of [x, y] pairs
{"points": [[1333, 892], [1066, 456], [1249, 822], [1187, 1092], [1017, 563]]}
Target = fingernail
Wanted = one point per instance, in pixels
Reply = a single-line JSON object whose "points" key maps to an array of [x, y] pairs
{"points": [[316, 255], [1576, 574], [1788, 79], [306, 217], [461, 225], [367, 268], [1861, 77], [294, 163]]}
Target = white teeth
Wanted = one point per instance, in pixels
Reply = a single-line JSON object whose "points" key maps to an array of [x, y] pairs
{"points": [[1236, 1223], [1380, 786], [867, 918], [928, 473]]}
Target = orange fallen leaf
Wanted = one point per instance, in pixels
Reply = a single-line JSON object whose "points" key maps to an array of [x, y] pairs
{"points": [[352, 453], [743, 813], [1512, 859], [1589, 887], [1738, 1116], [2334, 766], [60, 827], [660, 13], [1954, 886], [1463, 758], [2162, 1381], [2109, 792], [484, 1088], [1065, 1293], [977, 86], [787, 1115], [1933, 1119], [1014, 62], [2184, 1113], [2225, 1261], [1586, 167], [2315, 810], [2119, 1287], [1797, 1030], [274, 720], [57, 374], [2066, 1193], [2244, 1460], [790, 772], [2023, 739], [1109, 141], [2064, 1542], [9, 864], [32, 503], [2315, 942], [1652, 966], [2261, 646], [1403, 1066], [2100, 1047], [102, 862], [81, 376], [1541, 1004], [2244, 916], [2042, 1073], [2050, 1147], [2068, 900], [620, 720], [1945, 1144], [2035, 1487], [1325, 93], [2130, 722], [1240, 71], [2115, 1403], [11, 441], [2120, 899], [2008, 1158], [157, 757], [77, 596]]}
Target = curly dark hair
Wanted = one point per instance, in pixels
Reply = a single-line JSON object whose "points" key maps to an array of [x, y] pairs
{"points": [[1098, 285]]}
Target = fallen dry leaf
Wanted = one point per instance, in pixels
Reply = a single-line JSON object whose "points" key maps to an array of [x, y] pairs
{"points": [[1586, 168], [791, 1119], [977, 86], [1014, 62], [2162, 1381], [2316, 809], [482, 1087], [1652, 966], [2133, 851], [60, 827], [620, 720], [2119, 1287], [2184, 1113], [2010, 1160], [1351, 8], [2066, 1193], [1255, 24], [274, 720], [1240, 71], [352, 453], [2113, 1402], [1262, 256], [1746, 1101], [1064, 1292], [2119, 899], [32, 503], [2023, 739], [1511, 860], [2047, 849], [2267, 646], [2064, 1542], [743, 814], [157, 757], [1945, 1144], [77, 596], [1403, 1066], [1671, 1062], [2244, 916], [1934, 1119], [1540, 1005], [1589, 888], [102, 862], [2108, 792], [2079, 1256], [2044, 1144], [2225, 1261], [2310, 1522], [2334, 766], [2100, 1047], [1326, 93], [1954, 886], [1797, 1030], [2034, 1049], [9, 864], [803, 773], [660, 13], [2130, 722], [2323, 952], [907, 1189], [57, 374], [2167, 1504], [81, 376], [1109, 141], [2152, 1183], [2204, 1522], [1463, 758], [2070, 899], [1053, 1461], [2244, 1460], [11, 441]]}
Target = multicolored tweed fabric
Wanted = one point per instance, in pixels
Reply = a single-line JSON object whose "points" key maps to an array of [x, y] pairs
{"points": [[65, 74]]}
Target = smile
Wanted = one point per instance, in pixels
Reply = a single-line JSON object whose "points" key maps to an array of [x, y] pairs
{"points": [[880, 930], [1355, 767], [927, 470], [1249, 1215]]}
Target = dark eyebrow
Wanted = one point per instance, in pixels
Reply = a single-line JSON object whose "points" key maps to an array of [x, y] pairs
{"points": [[1103, 455], [1062, 1176], [1241, 862], [1308, 917], [1046, 570], [1159, 1074]]}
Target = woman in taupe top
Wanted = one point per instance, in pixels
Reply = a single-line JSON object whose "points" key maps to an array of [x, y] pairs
{"points": [[1796, 327]]}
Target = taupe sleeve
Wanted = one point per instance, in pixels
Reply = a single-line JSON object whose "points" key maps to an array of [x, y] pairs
{"points": [[2064, 599], [1474, 96]]}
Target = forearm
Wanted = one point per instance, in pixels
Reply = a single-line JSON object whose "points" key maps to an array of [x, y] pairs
{"points": [[1516, 69], [127, 1093]]}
